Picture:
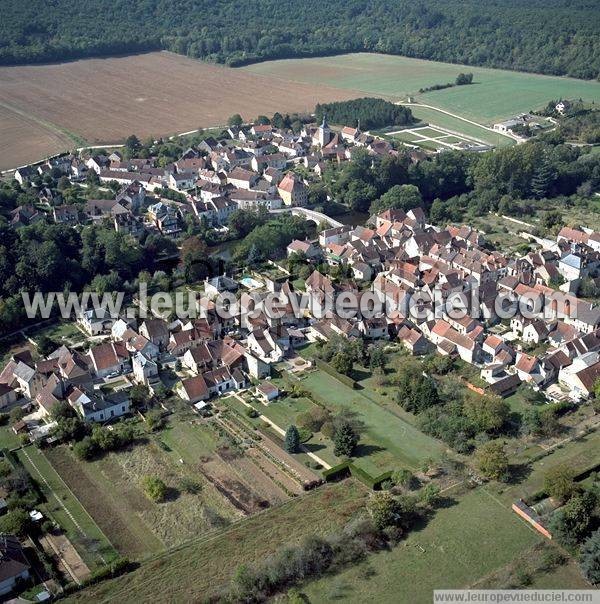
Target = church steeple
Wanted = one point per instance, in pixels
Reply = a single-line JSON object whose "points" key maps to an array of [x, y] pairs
{"points": [[324, 134]]}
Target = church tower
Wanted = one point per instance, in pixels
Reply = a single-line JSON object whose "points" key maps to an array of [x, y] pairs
{"points": [[324, 134]]}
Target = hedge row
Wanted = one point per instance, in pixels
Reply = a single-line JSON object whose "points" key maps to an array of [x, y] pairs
{"points": [[347, 468], [327, 368], [373, 482], [113, 569], [342, 470]]}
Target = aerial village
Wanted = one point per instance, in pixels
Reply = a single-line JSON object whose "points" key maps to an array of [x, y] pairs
{"points": [[397, 256]]}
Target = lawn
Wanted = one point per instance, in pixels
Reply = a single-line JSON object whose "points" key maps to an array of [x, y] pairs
{"points": [[65, 508], [8, 439], [495, 94], [405, 136], [388, 441], [438, 118], [197, 569], [189, 442], [577, 454], [469, 539], [427, 132], [63, 332], [517, 402], [284, 412]]}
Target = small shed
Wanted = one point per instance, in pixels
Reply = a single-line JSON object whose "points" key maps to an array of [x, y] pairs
{"points": [[268, 391]]}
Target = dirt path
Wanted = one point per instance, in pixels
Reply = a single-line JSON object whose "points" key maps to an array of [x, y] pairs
{"points": [[71, 561]]}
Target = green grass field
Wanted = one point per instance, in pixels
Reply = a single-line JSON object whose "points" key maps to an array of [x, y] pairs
{"points": [[496, 94], [577, 454], [531, 564], [427, 132], [438, 118], [388, 441], [192, 572], [284, 412], [460, 545]]}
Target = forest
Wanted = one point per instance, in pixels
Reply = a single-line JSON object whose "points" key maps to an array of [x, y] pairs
{"points": [[367, 112], [564, 40]]}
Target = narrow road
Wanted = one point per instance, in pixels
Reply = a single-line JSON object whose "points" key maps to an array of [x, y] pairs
{"points": [[317, 217]]}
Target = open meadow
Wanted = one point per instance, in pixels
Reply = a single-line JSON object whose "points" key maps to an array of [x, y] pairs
{"points": [[495, 94], [388, 441], [196, 570], [461, 544], [153, 94]]}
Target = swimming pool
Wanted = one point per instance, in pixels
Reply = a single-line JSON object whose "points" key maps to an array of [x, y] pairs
{"points": [[249, 282]]}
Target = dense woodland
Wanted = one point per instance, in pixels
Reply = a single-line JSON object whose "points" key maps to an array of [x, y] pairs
{"points": [[367, 112], [551, 36]]}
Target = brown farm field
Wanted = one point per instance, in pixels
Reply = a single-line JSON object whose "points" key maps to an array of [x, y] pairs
{"points": [[153, 94], [23, 138]]}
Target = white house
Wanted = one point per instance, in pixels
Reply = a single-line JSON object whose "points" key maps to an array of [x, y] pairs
{"points": [[96, 407], [337, 235], [581, 376], [267, 391], [95, 321], [257, 368], [182, 181], [145, 370], [262, 344]]}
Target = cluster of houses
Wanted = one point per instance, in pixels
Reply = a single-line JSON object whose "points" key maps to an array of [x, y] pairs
{"points": [[414, 268], [96, 383], [250, 169], [405, 262], [408, 265]]}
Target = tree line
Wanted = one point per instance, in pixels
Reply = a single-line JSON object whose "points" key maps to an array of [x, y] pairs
{"points": [[456, 184], [366, 112], [564, 40]]}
